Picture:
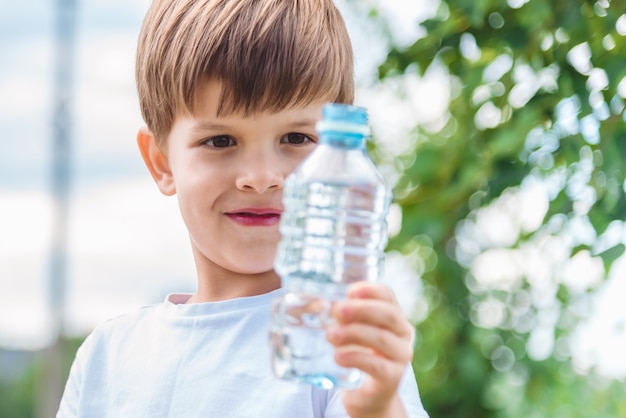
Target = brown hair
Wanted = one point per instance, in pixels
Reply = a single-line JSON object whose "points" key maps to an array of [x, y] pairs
{"points": [[268, 54]]}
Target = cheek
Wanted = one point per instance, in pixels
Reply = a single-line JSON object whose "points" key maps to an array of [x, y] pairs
{"points": [[197, 194], [200, 177], [297, 157]]}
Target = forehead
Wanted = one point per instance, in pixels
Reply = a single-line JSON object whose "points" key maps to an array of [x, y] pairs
{"points": [[218, 98], [209, 98]]}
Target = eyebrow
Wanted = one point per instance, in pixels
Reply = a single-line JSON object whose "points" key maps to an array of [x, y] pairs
{"points": [[303, 123], [209, 126], [203, 126]]}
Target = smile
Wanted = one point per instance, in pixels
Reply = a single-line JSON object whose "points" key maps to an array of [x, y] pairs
{"points": [[255, 217]]}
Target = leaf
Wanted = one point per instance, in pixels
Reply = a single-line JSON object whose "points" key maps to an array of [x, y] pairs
{"points": [[455, 166], [612, 254]]}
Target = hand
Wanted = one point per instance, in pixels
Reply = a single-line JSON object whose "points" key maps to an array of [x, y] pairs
{"points": [[373, 335]]}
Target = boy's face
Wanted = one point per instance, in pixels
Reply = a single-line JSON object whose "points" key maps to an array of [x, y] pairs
{"points": [[228, 173]]}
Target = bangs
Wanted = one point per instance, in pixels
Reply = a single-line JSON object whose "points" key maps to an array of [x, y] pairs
{"points": [[268, 55], [280, 60]]}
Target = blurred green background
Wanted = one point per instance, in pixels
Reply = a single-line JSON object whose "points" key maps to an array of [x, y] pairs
{"points": [[537, 94], [509, 186]]}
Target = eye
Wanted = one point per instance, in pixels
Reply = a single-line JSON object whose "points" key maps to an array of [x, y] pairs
{"points": [[295, 138], [219, 141]]}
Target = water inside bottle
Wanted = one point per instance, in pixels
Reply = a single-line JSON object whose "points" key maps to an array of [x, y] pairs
{"points": [[333, 234], [298, 339]]}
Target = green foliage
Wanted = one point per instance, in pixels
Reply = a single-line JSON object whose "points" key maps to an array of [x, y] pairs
{"points": [[536, 94], [16, 397], [20, 395]]}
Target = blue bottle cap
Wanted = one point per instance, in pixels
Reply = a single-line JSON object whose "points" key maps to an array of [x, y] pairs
{"points": [[345, 119]]}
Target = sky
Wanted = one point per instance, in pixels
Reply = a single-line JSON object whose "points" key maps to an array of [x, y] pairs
{"points": [[110, 193], [127, 244]]}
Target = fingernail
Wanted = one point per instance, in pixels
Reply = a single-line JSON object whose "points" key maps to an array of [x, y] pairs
{"points": [[344, 312], [358, 292], [339, 310], [335, 334]]}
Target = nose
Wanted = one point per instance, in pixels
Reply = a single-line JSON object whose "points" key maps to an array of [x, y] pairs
{"points": [[260, 173]]}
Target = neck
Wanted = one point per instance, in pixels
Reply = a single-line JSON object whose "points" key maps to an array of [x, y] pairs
{"points": [[216, 283]]}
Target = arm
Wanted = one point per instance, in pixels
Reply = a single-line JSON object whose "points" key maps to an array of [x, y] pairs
{"points": [[373, 335], [68, 407]]}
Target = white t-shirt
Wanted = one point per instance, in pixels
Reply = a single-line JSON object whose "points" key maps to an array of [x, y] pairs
{"points": [[198, 360]]}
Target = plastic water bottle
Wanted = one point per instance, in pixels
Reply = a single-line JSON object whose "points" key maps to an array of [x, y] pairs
{"points": [[334, 232]]}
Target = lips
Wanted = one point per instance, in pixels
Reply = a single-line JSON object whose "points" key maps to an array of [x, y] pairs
{"points": [[255, 216]]}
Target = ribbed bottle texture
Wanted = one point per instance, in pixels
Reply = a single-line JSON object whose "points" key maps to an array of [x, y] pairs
{"points": [[334, 233]]}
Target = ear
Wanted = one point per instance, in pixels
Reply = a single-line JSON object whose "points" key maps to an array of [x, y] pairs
{"points": [[156, 161]]}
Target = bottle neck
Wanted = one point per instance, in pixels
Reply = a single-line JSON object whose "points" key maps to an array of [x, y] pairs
{"points": [[344, 140], [344, 133]]}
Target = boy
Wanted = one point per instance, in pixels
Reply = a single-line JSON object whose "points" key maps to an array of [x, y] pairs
{"points": [[230, 91]]}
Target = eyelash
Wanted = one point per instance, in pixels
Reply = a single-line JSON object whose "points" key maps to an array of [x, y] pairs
{"points": [[307, 138], [211, 141], [284, 140]]}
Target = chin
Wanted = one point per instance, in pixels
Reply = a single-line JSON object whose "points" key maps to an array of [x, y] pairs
{"points": [[256, 269], [252, 265]]}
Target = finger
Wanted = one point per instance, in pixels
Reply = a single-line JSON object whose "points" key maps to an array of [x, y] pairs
{"points": [[373, 312], [369, 290], [378, 368], [373, 339]]}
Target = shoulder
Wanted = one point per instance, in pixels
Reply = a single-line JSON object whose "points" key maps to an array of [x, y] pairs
{"points": [[129, 319], [119, 328]]}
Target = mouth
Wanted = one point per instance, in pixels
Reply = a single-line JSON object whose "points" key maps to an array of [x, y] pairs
{"points": [[255, 216]]}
